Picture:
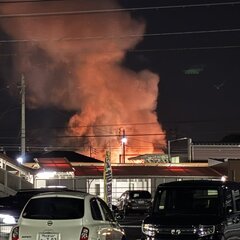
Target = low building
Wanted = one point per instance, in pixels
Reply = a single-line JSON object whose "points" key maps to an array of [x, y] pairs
{"points": [[76, 171]]}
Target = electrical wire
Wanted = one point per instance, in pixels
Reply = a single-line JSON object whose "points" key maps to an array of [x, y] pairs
{"points": [[31, 1], [114, 10], [155, 50], [122, 36]]}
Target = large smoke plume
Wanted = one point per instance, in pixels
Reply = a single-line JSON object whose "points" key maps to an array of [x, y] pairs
{"points": [[74, 62]]}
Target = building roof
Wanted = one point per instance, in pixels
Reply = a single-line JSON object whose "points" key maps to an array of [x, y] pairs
{"points": [[149, 171], [71, 156], [56, 164]]}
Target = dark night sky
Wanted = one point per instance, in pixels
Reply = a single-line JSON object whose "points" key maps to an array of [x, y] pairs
{"points": [[194, 49], [204, 105]]}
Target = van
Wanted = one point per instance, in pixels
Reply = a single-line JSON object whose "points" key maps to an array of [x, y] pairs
{"points": [[194, 210]]}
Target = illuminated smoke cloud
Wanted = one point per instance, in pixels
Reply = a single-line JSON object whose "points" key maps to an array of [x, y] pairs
{"points": [[74, 62]]}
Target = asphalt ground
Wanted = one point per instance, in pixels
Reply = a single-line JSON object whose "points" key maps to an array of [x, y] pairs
{"points": [[132, 226]]}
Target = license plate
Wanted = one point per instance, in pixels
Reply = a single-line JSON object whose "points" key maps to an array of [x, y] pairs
{"points": [[48, 236], [140, 202]]}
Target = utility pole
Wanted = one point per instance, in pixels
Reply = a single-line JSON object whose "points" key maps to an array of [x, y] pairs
{"points": [[23, 127], [190, 150], [124, 140], [169, 151]]}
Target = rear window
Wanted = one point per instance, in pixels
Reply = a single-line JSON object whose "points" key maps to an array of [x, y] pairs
{"points": [[140, 194], [54, 208]]}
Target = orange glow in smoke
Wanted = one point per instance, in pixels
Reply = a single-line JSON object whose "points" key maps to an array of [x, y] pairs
{"points": [[75, 62]]}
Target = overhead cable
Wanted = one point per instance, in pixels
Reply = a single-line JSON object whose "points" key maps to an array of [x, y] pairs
{"points": [[120, 36], [113, 10]]}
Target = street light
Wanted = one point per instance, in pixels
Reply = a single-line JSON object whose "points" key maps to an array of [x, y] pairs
{"points": [[180, 139]]}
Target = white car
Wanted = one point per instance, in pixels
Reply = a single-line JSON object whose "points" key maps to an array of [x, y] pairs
{"points": [[67, 216]]}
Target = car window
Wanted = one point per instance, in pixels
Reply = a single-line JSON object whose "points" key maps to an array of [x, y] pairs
{"points": [[140, 194], [187, 201], [54, 208], [106, 211], [95, 210]]}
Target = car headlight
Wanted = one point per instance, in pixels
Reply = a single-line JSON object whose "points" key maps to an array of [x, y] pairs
{"points": [[205, 230], [7, 219], [149, 229]]}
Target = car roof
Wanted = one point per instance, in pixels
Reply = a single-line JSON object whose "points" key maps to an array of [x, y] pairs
{"points": [[64, 194], [200, 183], [42, 189], [34, 191], [137, 191]]}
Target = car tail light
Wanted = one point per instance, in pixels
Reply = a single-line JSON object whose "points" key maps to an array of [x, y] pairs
{"points": [[84, 234], [15, 233]]}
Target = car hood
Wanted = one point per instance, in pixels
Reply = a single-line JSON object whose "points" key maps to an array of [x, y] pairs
{"points": [[182, 219], [11, 211]]}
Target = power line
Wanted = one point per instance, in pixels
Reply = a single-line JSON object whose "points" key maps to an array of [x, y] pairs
{"points": [[31, 1], [121, 36], [108, 125], [113, 10], [112, 135], [155, 50]]}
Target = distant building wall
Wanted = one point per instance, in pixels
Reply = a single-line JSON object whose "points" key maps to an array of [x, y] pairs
{"points": [[12, 177], [216, 151], [9, 183], [234, 170], [119, 185]]}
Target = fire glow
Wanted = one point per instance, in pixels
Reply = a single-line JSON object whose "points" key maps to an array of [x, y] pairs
{"points": [[75, 62]]}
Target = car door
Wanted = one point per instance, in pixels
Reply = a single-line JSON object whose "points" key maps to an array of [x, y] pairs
{"points": [[232, 226], [101, 226], [115, 232]]}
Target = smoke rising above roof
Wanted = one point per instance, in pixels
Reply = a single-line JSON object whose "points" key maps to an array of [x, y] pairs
{"points": [[74, 62]]}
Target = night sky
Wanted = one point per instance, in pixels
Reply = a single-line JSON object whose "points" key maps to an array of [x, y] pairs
{"points": [[199, 72], [194, 48]]}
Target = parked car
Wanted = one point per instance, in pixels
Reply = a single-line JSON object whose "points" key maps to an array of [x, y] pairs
{"points": [[194, 210], [67, 215], [134, 201], [11, 206]]}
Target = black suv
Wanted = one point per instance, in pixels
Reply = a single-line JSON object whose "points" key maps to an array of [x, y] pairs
{"points": [[194, 210], [11, 206], [133, 201]]}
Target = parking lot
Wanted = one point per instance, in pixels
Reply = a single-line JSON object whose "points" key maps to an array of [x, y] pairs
{"points": [[132, 226]]}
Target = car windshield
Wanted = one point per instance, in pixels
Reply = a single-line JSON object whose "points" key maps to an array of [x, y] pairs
{"points": [[54, 208], [187, 201], [139, 194]]}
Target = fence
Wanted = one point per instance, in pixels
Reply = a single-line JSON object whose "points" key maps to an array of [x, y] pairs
{"points": [[96, 187]]}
